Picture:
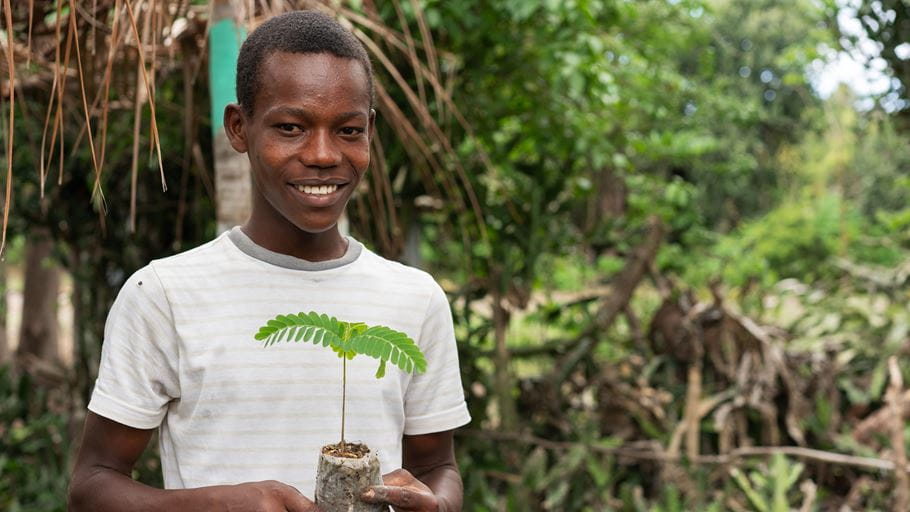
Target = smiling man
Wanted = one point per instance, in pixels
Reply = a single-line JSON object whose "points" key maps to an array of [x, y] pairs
{"points": [[241, 427]]}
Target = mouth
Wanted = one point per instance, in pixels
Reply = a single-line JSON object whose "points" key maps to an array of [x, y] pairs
{"points": [[316, 190], [318, 195]]}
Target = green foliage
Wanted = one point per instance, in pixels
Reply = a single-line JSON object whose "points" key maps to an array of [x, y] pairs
{"points": [[311, 327], [880, 168], [586, 118], [347, 339], [99, 248], [768, 489], [794, 240], [886, 23], [34, 447]]}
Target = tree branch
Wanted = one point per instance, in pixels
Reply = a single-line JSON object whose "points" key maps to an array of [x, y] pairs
{"points": [[623, 286], [629, 452]]}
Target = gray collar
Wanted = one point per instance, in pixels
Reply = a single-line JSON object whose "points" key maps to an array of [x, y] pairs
{"points": [[249, 247]]}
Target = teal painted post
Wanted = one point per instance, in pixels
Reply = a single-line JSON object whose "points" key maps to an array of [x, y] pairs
{"points": [[225, 38], [232, 172]]}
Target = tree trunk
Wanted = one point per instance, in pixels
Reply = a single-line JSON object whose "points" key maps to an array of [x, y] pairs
{"points": [[38, 333], [411, 254], [4, 342], [84, 362], [503, 378], [232, 170], [608, 200]]}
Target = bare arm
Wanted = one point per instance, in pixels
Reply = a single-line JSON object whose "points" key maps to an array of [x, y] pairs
{"points": [[429, 480], [101, 480], [431, 458]]}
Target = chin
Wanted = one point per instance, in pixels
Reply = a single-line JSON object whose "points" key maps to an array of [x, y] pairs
{"points": [[314, 227]]}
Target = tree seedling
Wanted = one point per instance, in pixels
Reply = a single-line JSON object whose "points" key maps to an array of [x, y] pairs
{"points": [[347, 339]]}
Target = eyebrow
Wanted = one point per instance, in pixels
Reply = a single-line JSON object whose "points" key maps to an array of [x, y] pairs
{"points": [[300, 112]]}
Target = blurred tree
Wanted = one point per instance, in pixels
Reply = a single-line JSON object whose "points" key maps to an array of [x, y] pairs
{"points": [[99, 70], [4, 340], [100, 242], [527, 143], [38, 333], [887, 24], [595, 115], [749, 97]]}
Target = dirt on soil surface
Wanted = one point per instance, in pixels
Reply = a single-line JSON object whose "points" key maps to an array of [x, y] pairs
{"points": [[346, 450]]}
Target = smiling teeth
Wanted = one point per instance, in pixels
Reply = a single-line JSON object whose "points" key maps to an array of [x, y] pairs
{"points": [[320, 190]]}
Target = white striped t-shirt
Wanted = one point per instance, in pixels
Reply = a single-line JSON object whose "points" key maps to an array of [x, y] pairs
{"points": [[179, 354]]}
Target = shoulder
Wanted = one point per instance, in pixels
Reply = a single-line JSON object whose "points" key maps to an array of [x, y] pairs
{"points": [[201, 264], [151, 283], [206, 255], [400, 273]]}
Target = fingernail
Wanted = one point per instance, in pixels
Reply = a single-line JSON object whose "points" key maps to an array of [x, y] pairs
{"points": [[369, 494]]}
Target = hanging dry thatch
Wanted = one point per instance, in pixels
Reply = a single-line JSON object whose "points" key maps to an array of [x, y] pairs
{"points": [[80, 54]]}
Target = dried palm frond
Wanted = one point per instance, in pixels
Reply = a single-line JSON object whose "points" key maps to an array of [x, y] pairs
{"points": [[97, 194], [114, 35], [8, 193]]}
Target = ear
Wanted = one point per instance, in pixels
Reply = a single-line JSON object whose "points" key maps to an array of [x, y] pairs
{"points": [[372, 127], [235, 122]]}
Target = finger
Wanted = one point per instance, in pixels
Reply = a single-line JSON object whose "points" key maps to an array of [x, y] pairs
{"points": [[398, 497], [294, 501], [302, 505], [398, 478]]}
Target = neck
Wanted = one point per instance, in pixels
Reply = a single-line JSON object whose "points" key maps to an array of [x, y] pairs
{"points": [[285, 238]]}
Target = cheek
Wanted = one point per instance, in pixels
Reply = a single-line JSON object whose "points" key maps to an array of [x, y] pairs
{"points": [[272, 156], [359, 156]]}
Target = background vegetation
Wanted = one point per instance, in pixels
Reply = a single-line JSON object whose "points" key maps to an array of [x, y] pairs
{"points": [[679, 275]]}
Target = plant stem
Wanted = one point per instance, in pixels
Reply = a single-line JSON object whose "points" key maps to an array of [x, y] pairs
{"points": [[344, 385]]}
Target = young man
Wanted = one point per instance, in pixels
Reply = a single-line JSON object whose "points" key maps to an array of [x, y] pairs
{"points": [[240, 425]]}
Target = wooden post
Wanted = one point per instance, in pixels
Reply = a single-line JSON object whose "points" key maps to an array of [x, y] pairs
{"points": [[895, 403], [508, 415], [232, 169]]}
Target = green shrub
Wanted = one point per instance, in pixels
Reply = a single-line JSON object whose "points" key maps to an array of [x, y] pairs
{"points": [[34, 447], [797, 239]]}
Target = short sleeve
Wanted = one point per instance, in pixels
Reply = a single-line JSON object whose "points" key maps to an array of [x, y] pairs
{"points": [[434, 401], [138, 375]]}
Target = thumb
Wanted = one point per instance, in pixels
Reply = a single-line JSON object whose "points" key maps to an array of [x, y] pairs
{"points": [[294, 501], [370, 495], [377, 494], [391, 495]]}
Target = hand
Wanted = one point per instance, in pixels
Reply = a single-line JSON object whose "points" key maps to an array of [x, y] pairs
{"points": [[268, 496], [404, 492]]}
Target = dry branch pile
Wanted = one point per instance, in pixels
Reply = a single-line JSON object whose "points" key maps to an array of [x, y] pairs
{"points": [[718, 392]]}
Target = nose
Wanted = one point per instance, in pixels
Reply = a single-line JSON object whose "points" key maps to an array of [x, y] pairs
{"points": [[320, 150]]}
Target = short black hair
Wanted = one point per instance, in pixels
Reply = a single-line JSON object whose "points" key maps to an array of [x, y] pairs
{"points": [[295, 32]]}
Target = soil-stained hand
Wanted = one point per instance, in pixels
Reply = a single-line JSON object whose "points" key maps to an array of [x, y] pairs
{"points": [[267, 496], [403, 491]]}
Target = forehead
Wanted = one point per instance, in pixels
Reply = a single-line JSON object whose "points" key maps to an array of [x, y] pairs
{"points": [[311, 80]]}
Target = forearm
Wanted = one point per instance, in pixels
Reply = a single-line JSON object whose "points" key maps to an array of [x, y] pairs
{"points": [[106, 490], [445, 482]]}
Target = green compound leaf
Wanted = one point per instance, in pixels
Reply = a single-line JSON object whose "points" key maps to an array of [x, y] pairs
{"points": [[388, 345], [310, 327], [346, 339], [341, 352]]}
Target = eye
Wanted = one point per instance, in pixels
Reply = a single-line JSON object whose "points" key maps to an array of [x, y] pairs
{"points": [[351, 131], [289, 128]]}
